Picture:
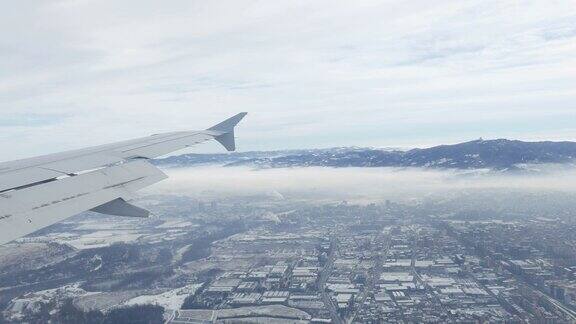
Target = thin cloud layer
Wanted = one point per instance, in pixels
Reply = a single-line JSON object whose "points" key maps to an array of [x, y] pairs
{"points": [[320, 73], [352, 183]]}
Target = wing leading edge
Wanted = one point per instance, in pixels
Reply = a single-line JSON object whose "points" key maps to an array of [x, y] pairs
{"points": [[41, 191]]}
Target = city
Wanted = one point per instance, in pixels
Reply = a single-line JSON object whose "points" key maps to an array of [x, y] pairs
{"points": [[287, 162], [300, 262]]}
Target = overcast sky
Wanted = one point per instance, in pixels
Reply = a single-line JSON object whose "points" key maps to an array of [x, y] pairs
{"points": [[310, 73]]}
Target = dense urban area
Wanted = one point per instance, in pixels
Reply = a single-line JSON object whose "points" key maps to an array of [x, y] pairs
{"points": [[470, 258]]}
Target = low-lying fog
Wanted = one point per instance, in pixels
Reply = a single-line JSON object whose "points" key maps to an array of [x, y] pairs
{"points": [[354, 183]]}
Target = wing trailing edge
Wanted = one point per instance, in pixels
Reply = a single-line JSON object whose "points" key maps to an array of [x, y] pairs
{"points": [[38, 192]]}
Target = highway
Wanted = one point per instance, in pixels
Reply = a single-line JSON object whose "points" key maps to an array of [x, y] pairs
{"points": [[324, 275], [375, 272], [568, 312]]}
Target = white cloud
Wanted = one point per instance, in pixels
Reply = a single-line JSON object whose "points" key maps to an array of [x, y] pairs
{"points": [[320, 73], [379, 184]]}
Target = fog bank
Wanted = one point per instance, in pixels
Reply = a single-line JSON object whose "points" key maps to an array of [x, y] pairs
{"points": [[353, 183]]}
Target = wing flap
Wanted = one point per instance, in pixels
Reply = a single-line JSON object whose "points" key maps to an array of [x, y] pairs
{"points": [[83, 163], [120, 207], [25, 177], [27, 210], [38, 192]]}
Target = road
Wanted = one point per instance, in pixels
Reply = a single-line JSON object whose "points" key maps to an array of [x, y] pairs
{"points": [[171, 317], [375, 272], [568, 312], [326, 271]]}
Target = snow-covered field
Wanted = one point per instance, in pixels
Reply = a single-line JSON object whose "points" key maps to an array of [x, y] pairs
{"points": [[107, 223], [32, 301], [170, 300], [175, 224], [98, 239]]}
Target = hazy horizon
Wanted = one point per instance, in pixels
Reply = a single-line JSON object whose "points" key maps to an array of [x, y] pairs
{"points": [[378, 183], [324, 73], [110, 233]]}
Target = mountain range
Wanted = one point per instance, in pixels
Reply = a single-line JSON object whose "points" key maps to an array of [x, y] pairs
{"points": [[499, 154]]}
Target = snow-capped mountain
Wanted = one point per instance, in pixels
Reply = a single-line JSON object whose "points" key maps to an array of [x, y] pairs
{"points": [[500, 154]]}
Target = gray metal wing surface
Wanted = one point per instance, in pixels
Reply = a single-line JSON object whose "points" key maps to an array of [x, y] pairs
{"points": [[41, 191]]}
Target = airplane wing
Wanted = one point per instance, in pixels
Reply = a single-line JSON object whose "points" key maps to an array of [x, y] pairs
{"points": [[41, 191]]}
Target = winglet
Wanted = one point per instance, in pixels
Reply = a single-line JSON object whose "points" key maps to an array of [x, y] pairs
{"points": [[228, 124], [227, 128]]}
